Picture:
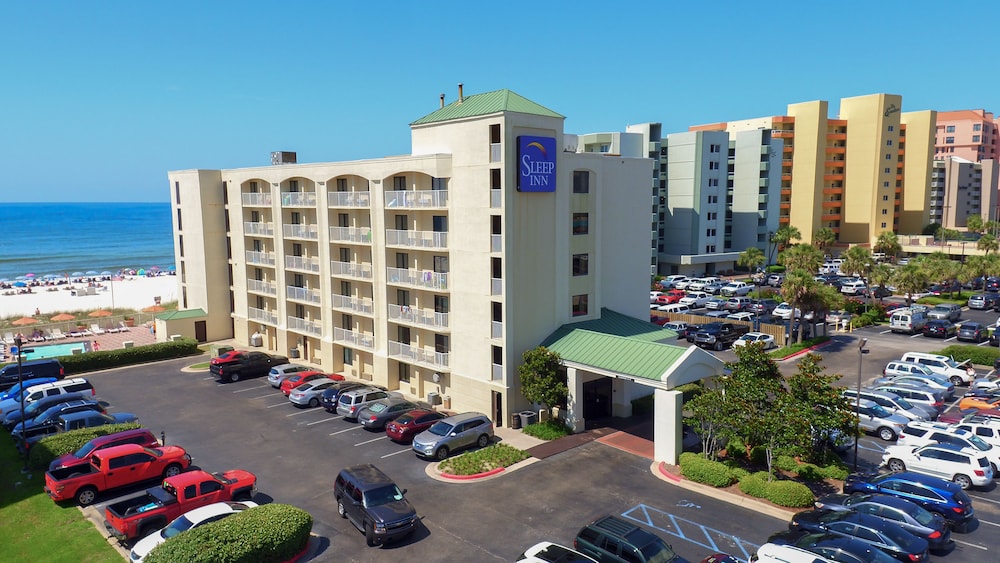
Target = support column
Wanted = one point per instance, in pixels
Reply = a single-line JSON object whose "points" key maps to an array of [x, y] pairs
{"points": [[574, 402], [668, 432]]}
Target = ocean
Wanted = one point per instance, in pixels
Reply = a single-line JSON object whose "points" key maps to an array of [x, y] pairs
{"points": [[62, 238]]}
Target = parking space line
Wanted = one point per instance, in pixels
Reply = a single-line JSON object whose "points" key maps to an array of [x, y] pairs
{"points": [[990, 523], [862, 446], [977, 497], [916, 335], [324, 420], [969, 544], [262, 396], [358, 427], [396, 453], [208, 378], [885, 332], [250, 389], [372, 440], [303, 411], [647, 514], [278, 405]]}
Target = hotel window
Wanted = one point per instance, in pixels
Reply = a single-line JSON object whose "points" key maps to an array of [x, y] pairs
{"points": [[442, 344], [439, 183], [581, 223], [713, 199], [712, 165], [341, 184], [885, 198], [180, 244], [888, 143], [404, 372], [348, 356], [579, 305], [949, 140], [399, 183], [714, 148], [710, 232], [710, 249], [888, 170], [883, 225], [179, 227], [293, 185], [581, 264], [712, 216], [891, 128], [888, 157], [581, 182], [975, 139], [977, 126], [885, 184], [885, 212], [177, 193], [950, 129]]}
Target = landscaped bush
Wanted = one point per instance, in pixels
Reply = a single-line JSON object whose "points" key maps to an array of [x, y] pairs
{"points": [[775, 269], [51, 447], [548, 430], [836, 470], [932, 300], [703, 470], [979, 355], [755, 484], [481, 461], [758, 455], [104, 359], [789, 493], [789, 350], [786, 463], [689, 391], [268, 533]]}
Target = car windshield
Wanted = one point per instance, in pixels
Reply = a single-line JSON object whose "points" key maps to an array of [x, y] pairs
{"points": [[382, 495], [440, 429], [84, 451], [657, 552], [879, 411], [979, 443], [922, 516], [377, 407], [950, 362], [904, 404], [180, 525]]}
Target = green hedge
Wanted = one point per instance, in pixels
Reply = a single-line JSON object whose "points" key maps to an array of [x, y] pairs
{"points": [[980, 355], [703, 470], [755, 484], [268, 533], [781, 493], [51, 447], [809, 471], [105, 359]]}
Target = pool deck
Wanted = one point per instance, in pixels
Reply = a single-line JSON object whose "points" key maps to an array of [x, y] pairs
{"points": [[139, 336]]}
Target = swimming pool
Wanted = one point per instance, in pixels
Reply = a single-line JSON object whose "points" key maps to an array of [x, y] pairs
{"points": [[55, 350]]}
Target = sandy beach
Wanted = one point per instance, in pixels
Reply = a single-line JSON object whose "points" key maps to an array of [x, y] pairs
{"points": [[133, 292]]}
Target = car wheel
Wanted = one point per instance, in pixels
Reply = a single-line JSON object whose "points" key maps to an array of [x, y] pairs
{"points": [[886, 434], [172, 470], [442, 453], [234, 377], [962, 481], [86, 496], [340, 508], [718, 346], [956, 380], [370, 534], [314, 403], [146, 530], [483, 441], [896, 465]]}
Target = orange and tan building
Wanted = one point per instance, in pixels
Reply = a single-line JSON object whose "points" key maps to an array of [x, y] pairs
{"points": [[970, 134]]}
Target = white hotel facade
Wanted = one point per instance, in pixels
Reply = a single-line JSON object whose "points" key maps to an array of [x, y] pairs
{"points": [[428, 273]]}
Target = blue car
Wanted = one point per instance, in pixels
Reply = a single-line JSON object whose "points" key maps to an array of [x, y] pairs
{"points": [[912, 518], [880, 534], [832, 546], [930, 493]]}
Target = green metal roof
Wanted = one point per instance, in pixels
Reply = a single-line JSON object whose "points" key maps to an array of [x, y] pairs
{"points": [[485, 104], [185, 314]]}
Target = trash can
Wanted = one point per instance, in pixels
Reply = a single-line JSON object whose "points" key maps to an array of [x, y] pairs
{"points": [[220, 350], [528, 417], [515, 421], [293, 353]]}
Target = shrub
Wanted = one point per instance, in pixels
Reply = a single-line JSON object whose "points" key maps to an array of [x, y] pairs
{"points": [[642, 405], [484, 460], [690, 390], [775, 269], [755, 484], [548, 430], [758, 455], [51, 447], [268, 533], [703, 470], [736, 449], [835, 471], [789, 493], [786, 463], [979, 355], [105, 359]]}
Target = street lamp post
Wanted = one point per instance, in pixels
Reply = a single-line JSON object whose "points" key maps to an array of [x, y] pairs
{"points": [[18, 342], [857, 408]]}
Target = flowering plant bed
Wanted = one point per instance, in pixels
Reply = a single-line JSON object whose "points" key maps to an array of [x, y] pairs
{"points": [[487, 459]]}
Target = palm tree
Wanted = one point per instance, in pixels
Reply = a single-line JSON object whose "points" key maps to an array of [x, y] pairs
{"points": [[939, 266], [987, 242], [797, 287], [888, 244], [974, 223], [752, 258], [801, 257], [824, 238], [785, 235], [910, 279], [880, 275], [858, 262]]}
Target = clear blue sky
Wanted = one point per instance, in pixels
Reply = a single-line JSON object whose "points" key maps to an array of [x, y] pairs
{"points": [[100, 99]]}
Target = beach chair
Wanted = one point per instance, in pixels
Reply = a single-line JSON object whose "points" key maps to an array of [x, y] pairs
{"points": [[122, 327], [57, 334], [111, 329], [94, 329], [8, 338]]}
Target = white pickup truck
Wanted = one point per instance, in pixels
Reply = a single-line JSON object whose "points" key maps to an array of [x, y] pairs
{"points": [[736, 288]]}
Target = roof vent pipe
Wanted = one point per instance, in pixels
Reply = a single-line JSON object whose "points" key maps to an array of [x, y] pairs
{"points": [[442, 101], [461, 97]]}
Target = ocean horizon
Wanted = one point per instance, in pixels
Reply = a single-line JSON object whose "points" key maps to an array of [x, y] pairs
{"points": [[62, 238]]}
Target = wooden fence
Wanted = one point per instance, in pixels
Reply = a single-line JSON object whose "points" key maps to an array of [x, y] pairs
{"points": [[778, 332]]}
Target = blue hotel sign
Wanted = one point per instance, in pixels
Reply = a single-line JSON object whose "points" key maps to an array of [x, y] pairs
{"points": [[536, 161]]}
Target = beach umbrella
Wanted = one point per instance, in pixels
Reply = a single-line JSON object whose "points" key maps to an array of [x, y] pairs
{"points": [[51, 276], [100, 313], [172, 268], [154, 309], [155, 268], [20, 278], [29, 275], [141, 272], [91, 272], [105, 273], [76, 274], [63, 317], [25, 321], [20, 284]]}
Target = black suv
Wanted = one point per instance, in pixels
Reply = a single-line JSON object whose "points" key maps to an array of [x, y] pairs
{"points": [[374, 504], [719, 335], [34, 369], [614, 540]]}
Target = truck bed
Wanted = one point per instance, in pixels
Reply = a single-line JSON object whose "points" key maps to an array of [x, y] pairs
{"points": [[65, 472], [154, 498]]}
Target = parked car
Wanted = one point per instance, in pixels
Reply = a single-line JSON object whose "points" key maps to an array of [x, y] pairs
{"points": [[933, 382], [671, 296], [737, 304], [677, 326], [745, 316], [612, 539], [303, 377], [373, 503], [918, 394], [784, 311], [946, 311], [893, 403], [411, 423], [762, 307], [548, 552], [736, 288], [907, 515], [452, 434], [715, 304], [880, 291], [714, 288], [140, 436], [332, 394], [690, 331], [897, 368], [72, 421], [764, 340], [44, 422], [350, 403], [940, 328], [310, 394], [695, 299], [238, 365], [279, 373], [31, 410], [930, 493], [14, 393], [927, 433], [653, 295], [956, 372], [986, 384], [854, 287], [775, 280], [719, 335], [11, 374], [964, 466], [376, 415], [982, 301], [187, 521], [800, 546], [972, 332], [874, 418], [887, 536], [976, 400]]}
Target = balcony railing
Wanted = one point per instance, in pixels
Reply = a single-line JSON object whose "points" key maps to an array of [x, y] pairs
{"points": [[258, 286], [351, 234], [260, 258], [302, 325], [257, 200], [254, 228], [263, 316], [496, 243], [496, 198], [422, 317], [354, 304], [301, 231], [416, 199], [298, 199], [351, 270], [496, 329], [302, 263], [417, 278], [349, 199], [496, 286], [416, 239], [497, 372], [353, 339], [412, 354], [302, 294]]}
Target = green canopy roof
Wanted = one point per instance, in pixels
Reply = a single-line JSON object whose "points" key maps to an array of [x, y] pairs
{"points": [[185, 314], [485, 104]]}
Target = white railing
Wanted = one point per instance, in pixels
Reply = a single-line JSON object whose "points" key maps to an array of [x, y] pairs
{"points": [[417, 278], [302, 263], [350, 269], [422, 317], [355, 304], [263, 316], [256, 228], [258, 286], [262, 258], [496, 329], [413, 354], [302, 294], [298, 199], [351, 234], [496, 286], [496, 152], [354, 339], [416, 199], [417, 239], [301, 231], [496, 198], [257, 200], [302, 325], [349, 199], [497, 372], [496, 243]]}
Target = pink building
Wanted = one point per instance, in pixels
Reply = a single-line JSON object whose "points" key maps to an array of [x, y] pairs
{"points": [[970, 134]]}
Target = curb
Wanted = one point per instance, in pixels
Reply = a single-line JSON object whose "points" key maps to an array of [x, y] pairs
{"points": [[806, 351], [433, 472], [656, 468]]}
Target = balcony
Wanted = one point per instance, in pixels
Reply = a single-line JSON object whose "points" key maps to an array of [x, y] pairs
{"points": [[416, 239], [302, 325], [256, 228], [257, 200], [762, 183], [497, 372], [761, 198], [777, 134], [420, 317], [298, 199], [302, 294], [496, 198], [310, 232], [353, 339], [836, 136], [496, 152], [496, 329], [262, 316], [417, 278], [351, 270], [765, 166], [353, 304], [349, 199], [362, 235], [414, 355], [496, 243], [496, 286], [302, 263], [416, 199], [260, 258], [258, 286]]}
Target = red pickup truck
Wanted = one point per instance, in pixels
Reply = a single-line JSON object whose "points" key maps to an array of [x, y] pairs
{"points": [[139, 516], [114, 467]]}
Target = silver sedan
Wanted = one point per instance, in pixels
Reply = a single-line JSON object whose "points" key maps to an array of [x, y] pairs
{"points": [[309, 394], [376, 415]]}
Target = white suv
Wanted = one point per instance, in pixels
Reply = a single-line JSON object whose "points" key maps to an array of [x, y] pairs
{"points": [[923, 433], [965, 466], [986, 429], [784, 311], [957, 373]]}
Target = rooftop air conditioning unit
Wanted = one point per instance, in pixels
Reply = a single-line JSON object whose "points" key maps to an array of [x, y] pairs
{"points": [[570, 143]]}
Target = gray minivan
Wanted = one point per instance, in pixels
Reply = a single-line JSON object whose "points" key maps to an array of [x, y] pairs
{"points": [[918, 395]]}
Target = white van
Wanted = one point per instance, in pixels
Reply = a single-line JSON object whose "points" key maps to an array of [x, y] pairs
{"points": [[675, 308], [957, 373], [774, 553], [907, 320]]}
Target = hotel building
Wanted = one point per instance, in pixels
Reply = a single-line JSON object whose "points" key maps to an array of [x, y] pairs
{"points": [[971, 134], [960, 188]]}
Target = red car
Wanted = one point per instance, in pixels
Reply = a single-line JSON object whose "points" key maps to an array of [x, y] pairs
{"points": [[296, 379], [954, 417], [670, 297], [405, 427]]}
